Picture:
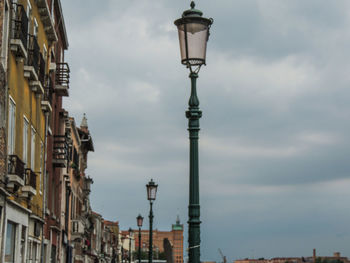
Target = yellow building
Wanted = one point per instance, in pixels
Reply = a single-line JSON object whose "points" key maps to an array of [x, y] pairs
{"points": [[31, 35]]}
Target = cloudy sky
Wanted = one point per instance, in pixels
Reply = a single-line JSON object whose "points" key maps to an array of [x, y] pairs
{"points": [[274, 144]]}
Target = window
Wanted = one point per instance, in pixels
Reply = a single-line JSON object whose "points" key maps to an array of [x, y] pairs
{"points": [[25, 140], [23, 242], [53, 11], [41, 165], [35, 252], [53, 195], [32, 158], [29, 14], [47, 190], [53, 254], [35, 28], [5, 37], [12, 125], [45, 53], [10, 242], [29, 253]]}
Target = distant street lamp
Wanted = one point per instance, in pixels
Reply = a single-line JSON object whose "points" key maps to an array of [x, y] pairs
{"points": [[130, 232], [193, 30], [151, 196], [139, 220]]}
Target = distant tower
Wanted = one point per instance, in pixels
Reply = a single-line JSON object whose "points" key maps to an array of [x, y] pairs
{"points": [[178, 240], [84, 125]]}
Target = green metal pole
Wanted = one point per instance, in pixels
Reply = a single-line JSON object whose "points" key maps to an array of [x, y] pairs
{"points": [[194, 114], [150, 252]]}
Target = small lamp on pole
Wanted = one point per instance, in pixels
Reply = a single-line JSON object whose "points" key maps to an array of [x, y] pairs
{"points": [[151, 196], [139, 220]]}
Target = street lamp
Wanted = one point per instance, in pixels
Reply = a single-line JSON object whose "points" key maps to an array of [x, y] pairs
{"points": [[130, 232], [151, 196], [193, 30], [139, 220]]}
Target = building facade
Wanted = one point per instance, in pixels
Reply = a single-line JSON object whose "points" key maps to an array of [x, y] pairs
{"points": [[45, 211], [56, 246], [4, 37], [175, 238], [30, 38]]}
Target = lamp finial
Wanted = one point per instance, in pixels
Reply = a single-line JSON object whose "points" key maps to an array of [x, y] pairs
{"points": [[193, 5]]}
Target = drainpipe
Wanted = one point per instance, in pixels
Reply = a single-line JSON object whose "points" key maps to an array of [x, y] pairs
{"points": [[44, 187]]}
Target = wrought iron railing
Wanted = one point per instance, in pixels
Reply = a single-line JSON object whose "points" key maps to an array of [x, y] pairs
{"points": [[30, 179], [33, 53], [60, 148], [42, 69], [16, 166], [20, 24], [62, 74], [48, 94], [48, 91]]}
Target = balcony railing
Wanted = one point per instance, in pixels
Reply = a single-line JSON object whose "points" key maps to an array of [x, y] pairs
{"points": [[29, 188], [46, 102], [34, 53], [16, 166], [15, 172], [60, 151], [48, 94], [30, 178], [19, 30], [42, 69], [62, 79]]}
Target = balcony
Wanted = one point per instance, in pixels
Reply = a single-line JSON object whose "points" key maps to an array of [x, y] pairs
{"points": [[46, 102], [31, 68], [62, 79], [60, 151], [19, 36], [15, 172], [77, 229], [87, 185], [47, 20], [42, 70], [29, 189]]}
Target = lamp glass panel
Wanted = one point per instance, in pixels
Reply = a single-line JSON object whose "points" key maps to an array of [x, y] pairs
{"points": [[139, 221], [151, 192], [197, 36]]}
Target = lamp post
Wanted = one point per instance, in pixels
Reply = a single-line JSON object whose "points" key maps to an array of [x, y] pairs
{"points": [[151, 196], [139, 220], [193, 30], [130, 232]]}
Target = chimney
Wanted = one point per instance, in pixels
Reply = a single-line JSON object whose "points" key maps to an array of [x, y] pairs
{"points": [[336, 254]]}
